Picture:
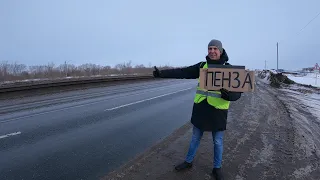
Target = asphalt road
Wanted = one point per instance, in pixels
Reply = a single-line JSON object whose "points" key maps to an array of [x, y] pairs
{"points": [[86, 134]]}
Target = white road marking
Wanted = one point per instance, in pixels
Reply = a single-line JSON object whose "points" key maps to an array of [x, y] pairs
{"points": [[118, 107], [11, 134]]}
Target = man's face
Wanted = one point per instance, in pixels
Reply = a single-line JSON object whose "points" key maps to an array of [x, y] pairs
{"points": [[214, 53]]}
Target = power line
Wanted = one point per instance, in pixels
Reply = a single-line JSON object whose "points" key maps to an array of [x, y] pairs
{"points": [[309, 23], [315, 17], [295, 34]]}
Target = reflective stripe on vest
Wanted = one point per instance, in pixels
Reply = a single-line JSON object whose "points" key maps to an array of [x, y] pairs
{"points": [[208, 93]]}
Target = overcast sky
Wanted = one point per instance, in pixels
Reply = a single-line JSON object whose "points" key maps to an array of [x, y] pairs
{"points": [[162, 32]]}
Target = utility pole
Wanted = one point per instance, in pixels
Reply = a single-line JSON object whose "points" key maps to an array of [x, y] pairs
{"points": [[277, 55], [265, 64]]}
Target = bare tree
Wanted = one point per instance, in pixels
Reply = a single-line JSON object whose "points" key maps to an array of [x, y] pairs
{"points": [[16, 71], [49, 70], [4, 70]]}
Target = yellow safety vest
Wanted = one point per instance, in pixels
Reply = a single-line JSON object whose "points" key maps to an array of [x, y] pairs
{"points": [[213, 97]]}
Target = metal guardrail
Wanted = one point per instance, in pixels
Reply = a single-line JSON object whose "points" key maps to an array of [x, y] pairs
{"points": [[69, 82]]}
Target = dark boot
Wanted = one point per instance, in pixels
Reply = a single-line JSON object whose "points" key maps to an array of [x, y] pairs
{"points": [[184, 165], [217, 173]]}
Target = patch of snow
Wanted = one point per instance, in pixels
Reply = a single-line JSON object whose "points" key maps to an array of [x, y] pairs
{"points": [[26, 80], [304, 106], [311, 100], [114, 75], [264, 77], [299, 173], [238, 177], [61, 78], [273, 71], [267, 78], [265, 153], [312, 79]]}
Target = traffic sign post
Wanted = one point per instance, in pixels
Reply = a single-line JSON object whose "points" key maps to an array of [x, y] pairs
{"points": [[316, 70]]}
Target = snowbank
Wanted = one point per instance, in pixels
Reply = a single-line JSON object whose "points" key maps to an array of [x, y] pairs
{"points": [[266, 78], [273, 78], [273, 71], [312, 79]]}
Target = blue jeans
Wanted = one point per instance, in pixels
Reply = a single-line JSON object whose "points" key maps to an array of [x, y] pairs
{"points": [[218, 146]]}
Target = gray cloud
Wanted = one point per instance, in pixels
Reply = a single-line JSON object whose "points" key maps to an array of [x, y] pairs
{"points": [[159, 32]]}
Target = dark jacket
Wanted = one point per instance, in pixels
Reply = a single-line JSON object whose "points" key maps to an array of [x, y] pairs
{"points": [[204, 116]]}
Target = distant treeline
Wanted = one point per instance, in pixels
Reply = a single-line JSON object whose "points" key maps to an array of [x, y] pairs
{"points": [[16, 71]]}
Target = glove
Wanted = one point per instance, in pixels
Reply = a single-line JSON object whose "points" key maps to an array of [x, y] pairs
{"points": [[224, 94], [156, 72]]}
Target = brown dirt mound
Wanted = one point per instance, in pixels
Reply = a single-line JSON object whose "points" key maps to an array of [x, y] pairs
{"points": [[278, 79]]}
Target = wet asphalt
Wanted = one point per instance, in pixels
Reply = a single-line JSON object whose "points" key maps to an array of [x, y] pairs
{"points": [[85, 134]]}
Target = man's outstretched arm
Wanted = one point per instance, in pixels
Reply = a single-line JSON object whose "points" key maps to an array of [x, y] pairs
{"points": [[190, 72]]}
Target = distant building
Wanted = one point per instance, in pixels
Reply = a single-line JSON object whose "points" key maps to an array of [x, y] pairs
{"points": [[280, 70], [309, 69]]}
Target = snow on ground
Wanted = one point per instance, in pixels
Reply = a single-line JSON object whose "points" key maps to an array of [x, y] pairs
{"points": [[303, 106], [312, 79], [309, 98], [264, 77], [303, 103], [61, 78], [312, 101], [273, 71]]}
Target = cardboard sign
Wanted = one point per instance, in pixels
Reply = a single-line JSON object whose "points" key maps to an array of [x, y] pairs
{"points": [[232, 79]]}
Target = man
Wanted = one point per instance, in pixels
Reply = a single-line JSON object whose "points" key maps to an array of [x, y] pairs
{"points": [[210, 109]]}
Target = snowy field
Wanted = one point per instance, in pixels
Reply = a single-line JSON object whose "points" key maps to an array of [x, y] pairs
{"points": [[312, 79]]}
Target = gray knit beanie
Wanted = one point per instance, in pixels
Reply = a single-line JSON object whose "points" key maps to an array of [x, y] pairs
{"points": [[216, 43]]}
